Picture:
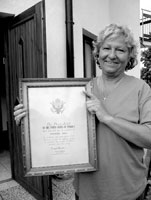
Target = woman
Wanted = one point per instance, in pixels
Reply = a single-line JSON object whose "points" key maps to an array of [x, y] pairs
{"points": [[122, 105]]}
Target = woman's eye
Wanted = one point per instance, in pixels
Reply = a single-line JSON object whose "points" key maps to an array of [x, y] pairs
{"points": [[106, 48], [121, 50]]}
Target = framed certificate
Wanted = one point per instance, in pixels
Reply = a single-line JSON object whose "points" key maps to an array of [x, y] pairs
{"points": [[58, 133]]}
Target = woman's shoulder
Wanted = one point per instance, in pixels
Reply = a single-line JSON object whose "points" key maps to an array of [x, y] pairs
{"points": [[140, 86], [136, 81]]}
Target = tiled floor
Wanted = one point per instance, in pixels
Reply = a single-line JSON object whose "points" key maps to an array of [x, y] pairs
{"points": [[11, 190]]}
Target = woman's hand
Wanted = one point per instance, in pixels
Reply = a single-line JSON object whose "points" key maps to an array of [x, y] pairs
{"points": [[19, 113], [94, 106]]}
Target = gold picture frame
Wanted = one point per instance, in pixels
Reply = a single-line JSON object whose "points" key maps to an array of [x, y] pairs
{"points": [[58, 133]]}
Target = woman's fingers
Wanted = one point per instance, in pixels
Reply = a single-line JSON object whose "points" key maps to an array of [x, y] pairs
{"points": [[19, 106], [89, 95], [92, 102], [19, 116], [19, 113]]}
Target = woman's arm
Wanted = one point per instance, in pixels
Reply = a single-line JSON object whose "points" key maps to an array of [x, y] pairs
{"points": [[139, 134]]}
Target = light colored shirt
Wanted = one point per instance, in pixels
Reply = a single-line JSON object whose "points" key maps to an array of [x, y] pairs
{"points": [[121, 173]]}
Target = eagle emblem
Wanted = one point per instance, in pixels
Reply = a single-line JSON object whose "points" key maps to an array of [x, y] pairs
{"points": [[57, 106]]}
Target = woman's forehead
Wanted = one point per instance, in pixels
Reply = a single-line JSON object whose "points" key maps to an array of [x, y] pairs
{"points": [[115, 40]]}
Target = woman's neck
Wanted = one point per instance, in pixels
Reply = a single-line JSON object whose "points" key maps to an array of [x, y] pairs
{"points": [[108, 84], [112, 79]]}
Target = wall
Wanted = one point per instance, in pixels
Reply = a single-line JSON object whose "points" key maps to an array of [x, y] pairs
{"points": [[16, 6], [56, 38], [128, 13], [88, 14], [145, 4], [92, 16]]}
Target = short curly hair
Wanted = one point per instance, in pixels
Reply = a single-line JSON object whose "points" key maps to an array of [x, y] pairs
{"points": [[112, 31]]}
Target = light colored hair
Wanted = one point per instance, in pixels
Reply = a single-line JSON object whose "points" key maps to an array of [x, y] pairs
{"points": [[113, 31]]}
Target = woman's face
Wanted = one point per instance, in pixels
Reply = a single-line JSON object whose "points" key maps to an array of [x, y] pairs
{"points": [[113, 56]]}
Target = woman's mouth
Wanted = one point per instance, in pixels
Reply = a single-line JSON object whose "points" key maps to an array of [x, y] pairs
{"points": [[111, 62]]}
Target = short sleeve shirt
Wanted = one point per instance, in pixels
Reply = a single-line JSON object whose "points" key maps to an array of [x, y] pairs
{"points": [[121, 170]]}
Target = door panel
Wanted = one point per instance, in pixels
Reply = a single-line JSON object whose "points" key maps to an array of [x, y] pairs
{"points": [[26, 59]]}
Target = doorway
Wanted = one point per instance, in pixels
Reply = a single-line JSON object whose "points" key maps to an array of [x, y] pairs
{"points": [[25, 51], [5, 164]]}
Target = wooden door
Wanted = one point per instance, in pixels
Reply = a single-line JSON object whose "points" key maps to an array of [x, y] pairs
{"points": [[25, 59]]}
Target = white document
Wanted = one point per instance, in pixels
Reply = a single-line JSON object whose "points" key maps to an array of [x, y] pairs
{"points": [[58, 126]]}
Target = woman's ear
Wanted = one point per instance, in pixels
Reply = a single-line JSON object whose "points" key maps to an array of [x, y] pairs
{"points": [[98, 61]]}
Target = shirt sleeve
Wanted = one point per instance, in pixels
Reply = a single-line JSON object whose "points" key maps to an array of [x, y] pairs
{"points": [[145, 105]]}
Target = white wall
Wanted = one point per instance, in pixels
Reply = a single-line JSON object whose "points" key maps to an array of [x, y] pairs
{"points": [[16, 6], [128, 13], [87, 14], [56, 38], [92, 16], [145, 4]]}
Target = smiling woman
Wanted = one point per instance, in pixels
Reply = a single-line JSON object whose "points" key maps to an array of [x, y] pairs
{"points": [[114, 56], [124, 42], [115, 101]]}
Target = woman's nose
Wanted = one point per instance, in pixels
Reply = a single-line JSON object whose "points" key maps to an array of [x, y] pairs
{"points": [[112, 53]]}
